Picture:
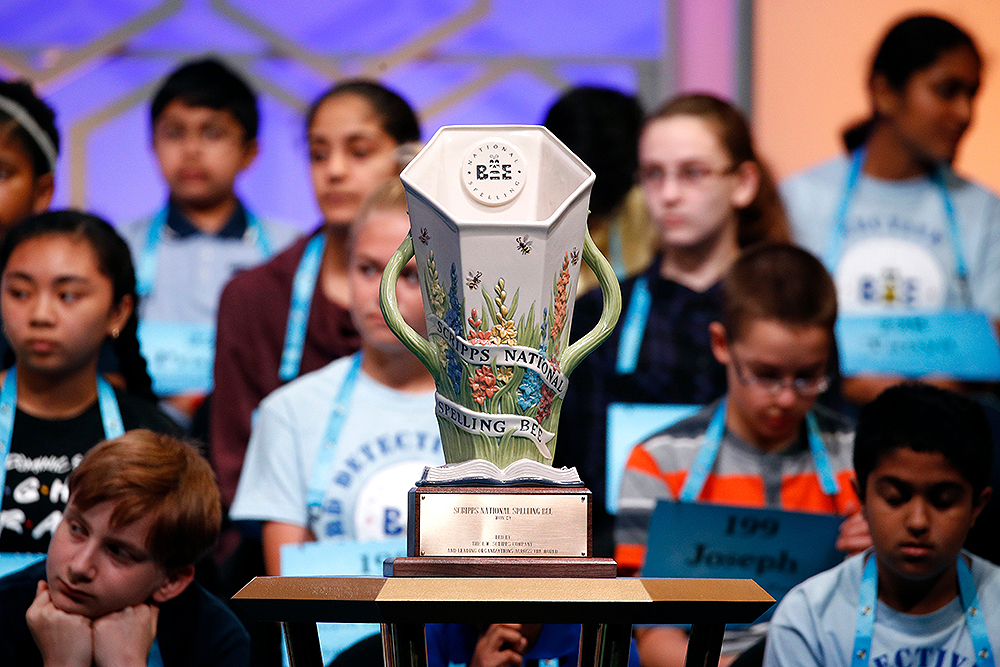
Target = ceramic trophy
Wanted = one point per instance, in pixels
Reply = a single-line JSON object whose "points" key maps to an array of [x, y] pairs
{"points": [[498, 220]]}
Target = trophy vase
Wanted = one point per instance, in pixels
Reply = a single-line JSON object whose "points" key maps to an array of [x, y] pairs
{"points": [[498, 218]]}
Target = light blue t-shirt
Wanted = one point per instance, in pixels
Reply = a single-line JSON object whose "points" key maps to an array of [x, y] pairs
{"points": [[180, 282], [192, 270], [814, 624], [897, 238], [385, 442]]}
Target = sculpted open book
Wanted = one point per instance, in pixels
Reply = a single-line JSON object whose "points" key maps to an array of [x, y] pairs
{"points": [[481, 472]]}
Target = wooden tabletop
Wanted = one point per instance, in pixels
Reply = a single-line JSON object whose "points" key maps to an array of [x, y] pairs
{"points": [[496, 600]]}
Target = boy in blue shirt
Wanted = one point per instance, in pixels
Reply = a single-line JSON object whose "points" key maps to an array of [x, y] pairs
{"points": [[922, 457], [204, 133]]}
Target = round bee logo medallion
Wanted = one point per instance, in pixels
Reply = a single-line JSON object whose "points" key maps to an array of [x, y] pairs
{"points": [[493, 172]]}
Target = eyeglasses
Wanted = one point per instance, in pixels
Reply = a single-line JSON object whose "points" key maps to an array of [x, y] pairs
{"points": [[687, 174], [803, 386]]}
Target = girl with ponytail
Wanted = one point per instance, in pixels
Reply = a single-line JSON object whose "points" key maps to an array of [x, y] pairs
{"points": [[66, 285], [897, 227]]}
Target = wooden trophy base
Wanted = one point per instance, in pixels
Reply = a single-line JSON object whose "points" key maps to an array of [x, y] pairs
{"points": [[500, 531], [477, 566]]}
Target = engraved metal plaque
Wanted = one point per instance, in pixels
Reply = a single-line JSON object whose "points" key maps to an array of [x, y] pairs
{"points": [[502, 525]]}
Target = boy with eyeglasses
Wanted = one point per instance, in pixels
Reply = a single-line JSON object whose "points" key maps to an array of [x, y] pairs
{"points": [[778, 313]]}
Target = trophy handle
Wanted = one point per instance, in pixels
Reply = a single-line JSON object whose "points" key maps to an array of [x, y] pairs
{"points": [[420, 346], [575, 353]]}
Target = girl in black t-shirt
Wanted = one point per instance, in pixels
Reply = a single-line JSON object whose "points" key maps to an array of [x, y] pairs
{"points": [[66, 286]]}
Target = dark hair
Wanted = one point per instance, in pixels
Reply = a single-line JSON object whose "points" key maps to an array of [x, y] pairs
{"points": [[210, 83], [925, 419], [913, 44], [601, 126], [393, 112], [149, 474], [21, 93], [113, 260], [764, 218], [777, 281]]}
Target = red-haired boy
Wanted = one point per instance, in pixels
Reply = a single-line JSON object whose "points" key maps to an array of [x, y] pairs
{"points": [[117, 586]]}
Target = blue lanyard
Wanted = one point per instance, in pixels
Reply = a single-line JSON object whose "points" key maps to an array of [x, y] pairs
{"points": [[154, 659], [839, 227], [634, 327], [150, 257], [705, 459], [303, 286], [324, 458], [111, 416], [974, 621]]}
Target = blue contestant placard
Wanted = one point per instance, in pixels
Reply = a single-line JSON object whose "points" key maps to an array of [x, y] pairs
{"points": [[776, 548], [12, 562], [346, 558], [179, 354], [628, 425], [958, 344]]}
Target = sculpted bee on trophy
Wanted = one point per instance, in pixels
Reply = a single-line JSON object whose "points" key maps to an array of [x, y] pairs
{"points": [[498, 218]]}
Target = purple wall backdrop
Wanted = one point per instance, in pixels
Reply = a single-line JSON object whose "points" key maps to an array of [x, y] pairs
{"points": [[457, 61]]}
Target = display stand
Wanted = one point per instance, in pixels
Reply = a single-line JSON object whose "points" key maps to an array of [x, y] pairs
{"points": [[607, 608], [428, 586]]}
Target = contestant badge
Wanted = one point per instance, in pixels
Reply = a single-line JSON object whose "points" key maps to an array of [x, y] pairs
{"points": [[890, 274], [380, 511]]}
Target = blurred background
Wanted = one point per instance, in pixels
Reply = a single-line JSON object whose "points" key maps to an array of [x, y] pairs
{"points": [[797, 66]]}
